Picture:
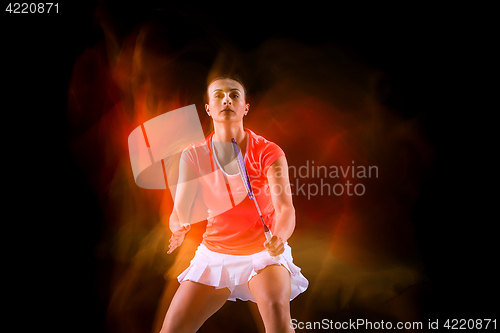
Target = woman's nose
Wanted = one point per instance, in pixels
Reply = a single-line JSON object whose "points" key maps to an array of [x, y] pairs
{"points": [[226, 101]]}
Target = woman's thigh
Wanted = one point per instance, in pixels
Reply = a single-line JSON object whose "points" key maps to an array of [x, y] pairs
{"points": [[192, 305], [271, 289]]}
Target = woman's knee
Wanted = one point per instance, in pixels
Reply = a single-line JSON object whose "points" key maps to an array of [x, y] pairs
{"points": [[276, 315], [170, 325], [191, 306], [276, 307], [175, 329]]}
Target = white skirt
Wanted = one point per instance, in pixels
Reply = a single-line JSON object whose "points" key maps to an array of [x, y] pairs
{"points": [[234, 271]]}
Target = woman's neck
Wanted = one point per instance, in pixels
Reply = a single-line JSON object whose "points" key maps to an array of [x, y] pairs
{"points": [[224, 133], [223, 150]]}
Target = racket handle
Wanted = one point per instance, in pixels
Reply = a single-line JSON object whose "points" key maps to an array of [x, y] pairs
{"points": [[269, 235]]}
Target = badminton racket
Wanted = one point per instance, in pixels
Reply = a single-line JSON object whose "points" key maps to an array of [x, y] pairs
{"points": [[248, 187]]}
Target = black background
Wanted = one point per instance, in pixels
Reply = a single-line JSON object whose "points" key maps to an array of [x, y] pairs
{"points": [[436, 58]]}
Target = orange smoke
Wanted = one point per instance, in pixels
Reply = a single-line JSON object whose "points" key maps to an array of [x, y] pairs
{"points": [[318, 103]]}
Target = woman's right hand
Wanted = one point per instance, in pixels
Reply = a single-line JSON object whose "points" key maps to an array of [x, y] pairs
{"points": [[177, 238]]}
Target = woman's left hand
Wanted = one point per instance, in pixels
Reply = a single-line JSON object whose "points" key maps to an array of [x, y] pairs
{"points": [[177, 238], [275, 246]]}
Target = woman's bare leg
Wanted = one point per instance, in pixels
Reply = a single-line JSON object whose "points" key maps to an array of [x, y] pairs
{"points": [[271, 289], [164, 303], [191, 306]]}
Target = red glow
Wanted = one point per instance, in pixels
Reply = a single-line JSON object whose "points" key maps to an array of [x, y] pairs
{"points": [[315, 109]]}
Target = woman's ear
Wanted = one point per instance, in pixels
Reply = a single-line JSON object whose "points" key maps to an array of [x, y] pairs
{"points": [[207, 109], [247, 107]]}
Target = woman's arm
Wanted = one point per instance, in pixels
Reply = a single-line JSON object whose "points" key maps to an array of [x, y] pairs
{"points": [[180, 219], [185, 193], [281, 195]]}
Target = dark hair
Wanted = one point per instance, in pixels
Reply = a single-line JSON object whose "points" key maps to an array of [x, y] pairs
{"points": [[234, 77]]}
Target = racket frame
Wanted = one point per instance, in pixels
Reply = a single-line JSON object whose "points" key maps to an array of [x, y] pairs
{"points": [[248, 186]]}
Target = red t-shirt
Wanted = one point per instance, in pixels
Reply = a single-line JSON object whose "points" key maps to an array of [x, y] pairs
{"points": [[233, 223]]}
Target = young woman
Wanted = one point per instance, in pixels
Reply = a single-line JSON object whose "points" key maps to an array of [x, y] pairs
{"points": [[234, 260]]}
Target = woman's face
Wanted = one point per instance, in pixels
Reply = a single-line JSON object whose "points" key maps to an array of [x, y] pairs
{"points": [[226, 101]]}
